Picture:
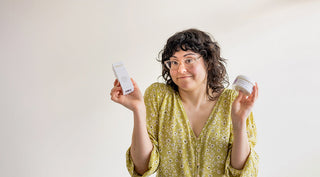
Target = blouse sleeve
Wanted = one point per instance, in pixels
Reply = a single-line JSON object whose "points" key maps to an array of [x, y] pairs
{"points": [[251, 166], [152, 98]]}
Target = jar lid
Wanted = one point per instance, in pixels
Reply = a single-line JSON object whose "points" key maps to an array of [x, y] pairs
{"points": [[243, 77]]}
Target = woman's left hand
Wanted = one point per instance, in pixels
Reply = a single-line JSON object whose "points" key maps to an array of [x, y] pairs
{"points": [[242, 105]]}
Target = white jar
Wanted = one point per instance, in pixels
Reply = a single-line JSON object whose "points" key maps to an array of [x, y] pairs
{"points": [[244, 84]]}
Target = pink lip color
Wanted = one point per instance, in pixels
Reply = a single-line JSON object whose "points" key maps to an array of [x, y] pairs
{"points": [[184, 77]]}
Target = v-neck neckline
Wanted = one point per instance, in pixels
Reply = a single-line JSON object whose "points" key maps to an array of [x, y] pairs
{"points": [[209, 118]]}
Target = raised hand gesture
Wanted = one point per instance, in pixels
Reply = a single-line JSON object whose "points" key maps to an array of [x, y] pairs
{"points": [[132, 101], [242, 106]]}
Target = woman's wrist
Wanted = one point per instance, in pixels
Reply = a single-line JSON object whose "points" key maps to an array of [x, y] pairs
{"points": [[138, 106], [239, 125], [139, 112]]}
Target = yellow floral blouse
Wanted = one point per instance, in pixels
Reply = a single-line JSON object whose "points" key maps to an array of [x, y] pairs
{"points": [[176, 149]]}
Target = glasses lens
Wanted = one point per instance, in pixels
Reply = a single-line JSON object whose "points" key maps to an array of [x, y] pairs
{"points": [[168, 64]]}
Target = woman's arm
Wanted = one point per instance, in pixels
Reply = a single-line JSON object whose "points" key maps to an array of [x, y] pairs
{"points": [[240, 148], [241, 109], [141, 145]]}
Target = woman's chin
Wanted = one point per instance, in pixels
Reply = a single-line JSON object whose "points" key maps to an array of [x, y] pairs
{"points": [[185, 86]]}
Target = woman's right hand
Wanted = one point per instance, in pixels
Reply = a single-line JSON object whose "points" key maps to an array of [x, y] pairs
{"points": [[132, 101]]}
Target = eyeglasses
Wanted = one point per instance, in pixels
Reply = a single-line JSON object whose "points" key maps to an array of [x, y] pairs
{"points": [[188, 63]]}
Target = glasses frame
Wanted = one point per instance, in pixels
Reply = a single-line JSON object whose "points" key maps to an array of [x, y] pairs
{"points": [[166, 63]]}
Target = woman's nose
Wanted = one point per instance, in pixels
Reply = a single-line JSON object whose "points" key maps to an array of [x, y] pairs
{"points": [[181, 68]]}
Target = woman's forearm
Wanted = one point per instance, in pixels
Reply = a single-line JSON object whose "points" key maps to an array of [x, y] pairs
{"points": [[240, 148], [141, 145]]}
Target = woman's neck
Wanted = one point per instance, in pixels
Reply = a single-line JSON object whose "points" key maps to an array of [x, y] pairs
{"points": [[195, 98]]}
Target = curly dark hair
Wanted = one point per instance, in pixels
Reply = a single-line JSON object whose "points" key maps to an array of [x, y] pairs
{"points": [[201, 43]]}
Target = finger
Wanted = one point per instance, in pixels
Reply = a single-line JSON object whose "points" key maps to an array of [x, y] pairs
{"points": [[116, 98], [116, 82], [257, 91], [115, 89], [252, 95], [116, 92], [116, 95], [133, 81], [135, 85], [252, 98]]}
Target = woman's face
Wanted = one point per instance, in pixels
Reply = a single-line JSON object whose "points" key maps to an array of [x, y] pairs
{"points": [[189, 77]]}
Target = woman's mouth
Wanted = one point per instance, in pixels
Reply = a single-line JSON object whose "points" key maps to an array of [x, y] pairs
{"points": [[184, 77]]}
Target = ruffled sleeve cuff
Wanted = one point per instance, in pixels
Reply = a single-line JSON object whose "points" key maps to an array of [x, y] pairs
{"points": [[250, 168], [152, 166]]}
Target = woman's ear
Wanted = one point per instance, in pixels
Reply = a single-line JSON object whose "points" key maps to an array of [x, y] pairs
{"points": [[208, 66]]}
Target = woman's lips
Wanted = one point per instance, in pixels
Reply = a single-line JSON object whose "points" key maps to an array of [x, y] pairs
{"points": [[183, 77]]}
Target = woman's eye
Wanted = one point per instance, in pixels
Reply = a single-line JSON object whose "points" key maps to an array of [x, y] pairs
{"points": [[188, 60], [174, 63]]}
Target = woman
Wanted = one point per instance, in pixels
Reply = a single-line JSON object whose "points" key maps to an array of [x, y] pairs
{"points": [[191, 125]]}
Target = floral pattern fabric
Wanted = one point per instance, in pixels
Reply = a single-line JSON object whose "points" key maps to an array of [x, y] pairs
{"points": [[176, 149]]}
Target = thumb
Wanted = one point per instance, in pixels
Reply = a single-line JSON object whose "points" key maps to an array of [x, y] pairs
{"points": [[135, 85]]}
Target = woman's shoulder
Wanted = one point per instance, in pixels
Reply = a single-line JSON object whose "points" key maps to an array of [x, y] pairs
{"points": [[159, 86], [229, 94], [159, 89]]}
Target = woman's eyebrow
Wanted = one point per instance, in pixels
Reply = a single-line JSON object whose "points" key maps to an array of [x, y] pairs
{"points": [[189, 54], [183, 55]]}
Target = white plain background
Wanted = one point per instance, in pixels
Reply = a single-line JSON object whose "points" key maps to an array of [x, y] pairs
{"points": [[56, 116]]}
